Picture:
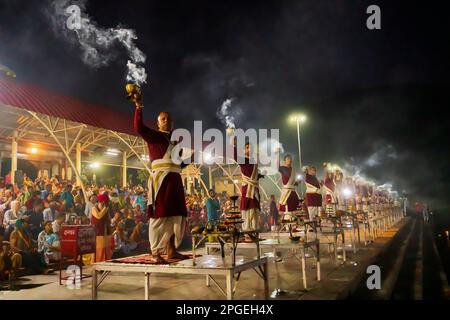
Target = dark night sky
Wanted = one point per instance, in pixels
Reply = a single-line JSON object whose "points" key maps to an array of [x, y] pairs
{"points": [[367, 93]]}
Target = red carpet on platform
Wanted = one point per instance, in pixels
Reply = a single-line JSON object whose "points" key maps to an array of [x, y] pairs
{"points": [[148, 259]]}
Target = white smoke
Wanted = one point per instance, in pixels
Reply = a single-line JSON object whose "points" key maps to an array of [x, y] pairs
{"points": [[224, 114], [136, 74], [352, 169], [270, 149], [98, 45], [378, 157]]}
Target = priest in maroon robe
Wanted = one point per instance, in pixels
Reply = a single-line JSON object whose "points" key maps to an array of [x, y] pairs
{"points": [[166, 200], [250, 196], [289, 199], [313, 193], [330, 191]]}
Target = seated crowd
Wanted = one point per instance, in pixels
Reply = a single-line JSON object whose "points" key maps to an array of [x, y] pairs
{"points": [[31, 218]]}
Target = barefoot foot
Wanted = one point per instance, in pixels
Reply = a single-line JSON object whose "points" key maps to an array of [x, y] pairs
{"points": [[159, 259], [176, 255]]}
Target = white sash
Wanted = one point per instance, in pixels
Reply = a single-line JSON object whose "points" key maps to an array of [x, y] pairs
{"points": [[332, 193], [160, 169], [365, 204], [287, 189], [252, 184], [311, 188]]}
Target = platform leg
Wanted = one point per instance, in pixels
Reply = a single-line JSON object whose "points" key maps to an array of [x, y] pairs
{"points": [[344, 252], [266, 280], [365, 237], [207, 276], [193, 249], [359, 233], [94, 284], [318, 260], [60, 270], [258, 248], [147, 286], [230, 285], [303, 259], [336, 247]]}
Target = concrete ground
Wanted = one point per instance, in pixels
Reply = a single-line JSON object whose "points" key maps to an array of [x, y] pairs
{"points": [[285, 275]]}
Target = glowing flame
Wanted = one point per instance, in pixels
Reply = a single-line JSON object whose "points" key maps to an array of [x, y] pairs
{"points": [[347, 192]]}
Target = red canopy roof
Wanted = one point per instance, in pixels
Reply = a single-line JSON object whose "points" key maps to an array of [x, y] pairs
{"points": [[44, 101]]}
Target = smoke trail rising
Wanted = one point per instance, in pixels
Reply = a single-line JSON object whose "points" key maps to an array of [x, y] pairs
{"points": [[224, 114], [98, 45]]}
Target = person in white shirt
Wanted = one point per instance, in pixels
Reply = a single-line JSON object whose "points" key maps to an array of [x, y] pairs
{"points": [[89, 205], [49, 244], [60, 218], [51, 212], [11, 215], [4, 205]]}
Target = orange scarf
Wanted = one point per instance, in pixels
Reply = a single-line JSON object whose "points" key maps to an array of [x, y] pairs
{"points": [[27, 242]]}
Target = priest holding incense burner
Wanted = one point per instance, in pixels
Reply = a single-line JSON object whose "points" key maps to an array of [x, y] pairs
{"points": [[166, 199]]}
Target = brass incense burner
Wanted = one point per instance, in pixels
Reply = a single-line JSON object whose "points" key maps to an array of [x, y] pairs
{"points": [[134, 93]]}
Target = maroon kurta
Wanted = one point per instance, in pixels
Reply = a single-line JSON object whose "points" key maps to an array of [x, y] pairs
{"points": [[329, 183], [101, 225], [170, 200], [293, 200], [246, 170], [313, 199]]}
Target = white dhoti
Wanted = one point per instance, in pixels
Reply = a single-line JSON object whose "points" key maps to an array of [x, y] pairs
{"points": [[251, 219], [313, 212], [161, 230]]}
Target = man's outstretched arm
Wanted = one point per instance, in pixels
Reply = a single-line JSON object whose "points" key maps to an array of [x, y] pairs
{"points": [[145, 132]]}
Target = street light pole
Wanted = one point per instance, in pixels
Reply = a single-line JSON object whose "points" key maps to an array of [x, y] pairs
{"points": [[210, 177], [299, 144], [299, 119], [299, 153]]}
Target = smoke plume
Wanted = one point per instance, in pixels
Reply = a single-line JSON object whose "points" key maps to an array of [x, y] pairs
{"points": [[224, 114], [99, 45]]}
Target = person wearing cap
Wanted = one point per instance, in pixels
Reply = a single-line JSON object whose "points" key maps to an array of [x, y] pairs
{"points": [[100, 221]]}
